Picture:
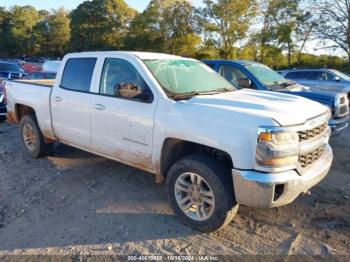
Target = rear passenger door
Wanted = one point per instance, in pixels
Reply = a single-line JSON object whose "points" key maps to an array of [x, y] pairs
{"points": [[70, 102]]}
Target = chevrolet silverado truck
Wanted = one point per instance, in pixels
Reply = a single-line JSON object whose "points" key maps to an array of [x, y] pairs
{"points": [[248, 74], [216, 147]]}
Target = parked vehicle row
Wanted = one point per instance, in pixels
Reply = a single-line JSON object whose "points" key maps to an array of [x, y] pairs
{"points": [[247, 74], [215, 146]]}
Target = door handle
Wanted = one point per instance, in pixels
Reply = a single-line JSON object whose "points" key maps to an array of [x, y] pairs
{"points": [[57, 99], [99, 107]]}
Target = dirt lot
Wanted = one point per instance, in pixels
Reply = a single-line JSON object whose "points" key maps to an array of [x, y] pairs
{"points": [[77, 203]]}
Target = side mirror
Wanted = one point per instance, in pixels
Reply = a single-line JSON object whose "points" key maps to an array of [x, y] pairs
{"points": [[337, 79], [244, 83], [128, 90], [131, 90]]}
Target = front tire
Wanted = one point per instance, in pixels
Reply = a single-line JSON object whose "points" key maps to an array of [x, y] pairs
{"points": [[32, 139], [200, 191]]}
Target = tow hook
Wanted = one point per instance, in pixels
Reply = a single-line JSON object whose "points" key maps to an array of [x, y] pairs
{"points": [[306, 193]]}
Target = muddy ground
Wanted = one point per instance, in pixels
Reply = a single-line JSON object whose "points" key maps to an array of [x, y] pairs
{"points": [[76, 203]]}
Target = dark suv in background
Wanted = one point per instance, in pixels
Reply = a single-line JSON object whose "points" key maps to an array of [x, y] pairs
{"points": [[10, 70], [327, 79], [2, 103]]}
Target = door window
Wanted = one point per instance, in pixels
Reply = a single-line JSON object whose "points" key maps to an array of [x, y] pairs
{"points": [[305, 75], [77, 74], [330, 77], [117, 72], [232, 74]]}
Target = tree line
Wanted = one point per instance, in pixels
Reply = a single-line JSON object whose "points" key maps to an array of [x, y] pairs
{"points": [[273, 32]]}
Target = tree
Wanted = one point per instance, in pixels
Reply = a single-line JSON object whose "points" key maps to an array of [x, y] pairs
{"points": [[22, 22], [228, 21], [334, 23], [55, 32], [306, 25], [284, 14], [4, 31], [165, 26], [100, 25]]}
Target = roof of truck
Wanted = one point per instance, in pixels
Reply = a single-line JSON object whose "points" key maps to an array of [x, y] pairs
{"points": [[140, 55]]}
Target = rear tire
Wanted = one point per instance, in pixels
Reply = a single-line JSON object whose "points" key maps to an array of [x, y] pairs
{"points": [[214, 205], [32, 139]]}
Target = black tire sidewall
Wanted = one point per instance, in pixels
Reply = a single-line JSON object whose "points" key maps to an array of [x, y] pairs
{"points": [[214, 175]]}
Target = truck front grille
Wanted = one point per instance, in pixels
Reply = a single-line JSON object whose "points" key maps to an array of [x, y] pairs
{"points": [[311, 133], [307, 159]]}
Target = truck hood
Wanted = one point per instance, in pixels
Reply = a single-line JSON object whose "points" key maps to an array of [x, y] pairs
{"points": [[285, 109]]}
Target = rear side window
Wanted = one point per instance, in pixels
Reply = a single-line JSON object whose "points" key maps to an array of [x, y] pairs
{"points": [[306, 75], [299, 75], [77, 74]]}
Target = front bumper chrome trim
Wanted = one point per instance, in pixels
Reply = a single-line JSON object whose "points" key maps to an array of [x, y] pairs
{"points": [[338, 125], [257, 189]]}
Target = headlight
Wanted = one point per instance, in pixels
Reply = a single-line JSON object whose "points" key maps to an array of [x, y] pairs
{"points": [[277, 148], [341, 105]]}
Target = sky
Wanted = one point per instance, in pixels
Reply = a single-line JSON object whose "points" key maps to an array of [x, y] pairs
{"points": [[139, 5]]}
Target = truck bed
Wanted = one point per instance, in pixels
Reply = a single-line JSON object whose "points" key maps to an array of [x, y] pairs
{"points": [[34, 94], [43, 82]]}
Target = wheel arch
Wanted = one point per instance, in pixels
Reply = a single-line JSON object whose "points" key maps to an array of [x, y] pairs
{"points": [[174, 149], [22, 110]]}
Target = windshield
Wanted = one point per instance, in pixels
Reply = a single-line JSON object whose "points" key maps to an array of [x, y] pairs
{"points": [[341, 75], [265, 74], [7, 67], [178, 77]]}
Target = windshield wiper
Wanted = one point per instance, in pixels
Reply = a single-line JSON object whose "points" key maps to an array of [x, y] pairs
{"points": [[197, 93], [280, 85]]}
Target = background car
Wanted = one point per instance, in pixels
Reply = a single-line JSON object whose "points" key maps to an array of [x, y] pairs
{"points": [[3, 110], [327, 79], [248, 74], [41, 75], [51, 66], [11, 71]]}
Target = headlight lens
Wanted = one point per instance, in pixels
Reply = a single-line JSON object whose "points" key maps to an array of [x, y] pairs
{"points": [[277, 148], [341, 105]]}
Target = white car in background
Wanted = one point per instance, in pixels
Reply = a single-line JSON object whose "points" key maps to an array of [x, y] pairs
{"points": [[51, 66]]}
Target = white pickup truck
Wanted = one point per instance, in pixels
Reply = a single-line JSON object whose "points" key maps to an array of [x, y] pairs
{"points": [[174, 117]]}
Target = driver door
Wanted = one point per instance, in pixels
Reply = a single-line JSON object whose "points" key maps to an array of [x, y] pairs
{"points": [[233, 75], [122, 127]]}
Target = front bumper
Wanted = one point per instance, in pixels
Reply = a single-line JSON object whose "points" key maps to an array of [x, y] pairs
{"points": [[338, 125], [258, 189]]}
